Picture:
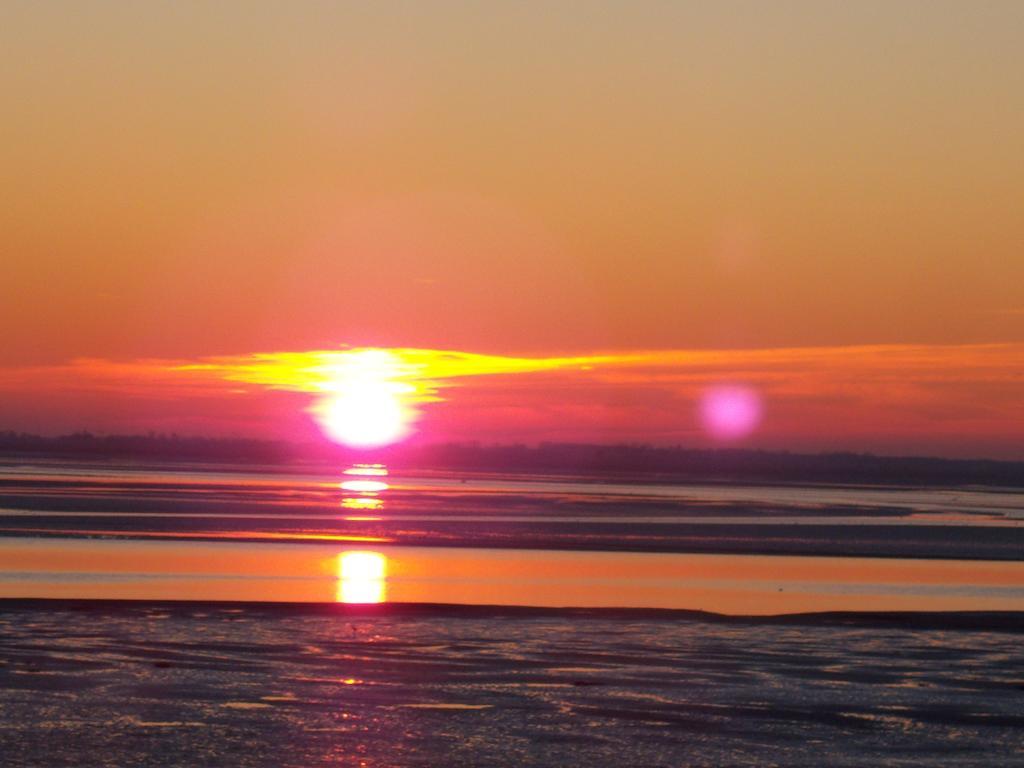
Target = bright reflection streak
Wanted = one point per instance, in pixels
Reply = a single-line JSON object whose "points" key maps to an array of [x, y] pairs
{"points": [[367, 470], [362, 502], [362, 577], [364, 486], [367, 490]]}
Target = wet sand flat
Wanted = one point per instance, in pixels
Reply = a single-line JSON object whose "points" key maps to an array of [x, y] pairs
{"points": [[165, 684]]}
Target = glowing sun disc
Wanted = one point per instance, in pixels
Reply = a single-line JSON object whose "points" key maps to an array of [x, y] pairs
{"points": [[364, 417]]}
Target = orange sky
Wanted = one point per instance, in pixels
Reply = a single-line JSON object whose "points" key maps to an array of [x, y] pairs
{"points": [[188, 180]]}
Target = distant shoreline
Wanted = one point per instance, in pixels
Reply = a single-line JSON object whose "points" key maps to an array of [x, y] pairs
{"points": [[653, 464], [1003, 621]]}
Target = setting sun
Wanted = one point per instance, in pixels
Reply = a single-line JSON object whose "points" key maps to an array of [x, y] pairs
{"points": [[365, 406]]}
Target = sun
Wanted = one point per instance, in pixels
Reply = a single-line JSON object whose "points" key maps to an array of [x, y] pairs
{"points": [[365, 406], [364, 418]]}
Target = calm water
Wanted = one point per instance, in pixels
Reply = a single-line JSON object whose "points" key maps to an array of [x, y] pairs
{"points": [[734, 584], [366, 534]]}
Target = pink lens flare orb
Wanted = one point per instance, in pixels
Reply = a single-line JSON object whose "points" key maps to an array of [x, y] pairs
{"points": [[730, 412]]}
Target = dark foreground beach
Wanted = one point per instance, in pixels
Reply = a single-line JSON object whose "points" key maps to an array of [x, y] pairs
{"points": [[92, 683]]}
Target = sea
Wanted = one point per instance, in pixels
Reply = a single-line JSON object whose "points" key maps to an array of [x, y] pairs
{"points": [[369, 615]]}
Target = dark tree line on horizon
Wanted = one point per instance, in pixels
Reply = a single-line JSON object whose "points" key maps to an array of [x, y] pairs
{"points": [[653, 463]]}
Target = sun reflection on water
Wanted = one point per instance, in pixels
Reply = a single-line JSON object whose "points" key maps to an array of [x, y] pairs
{"points": [[362, 577], [364, 486], [367, 470], [362, 503], [362, 494]]}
